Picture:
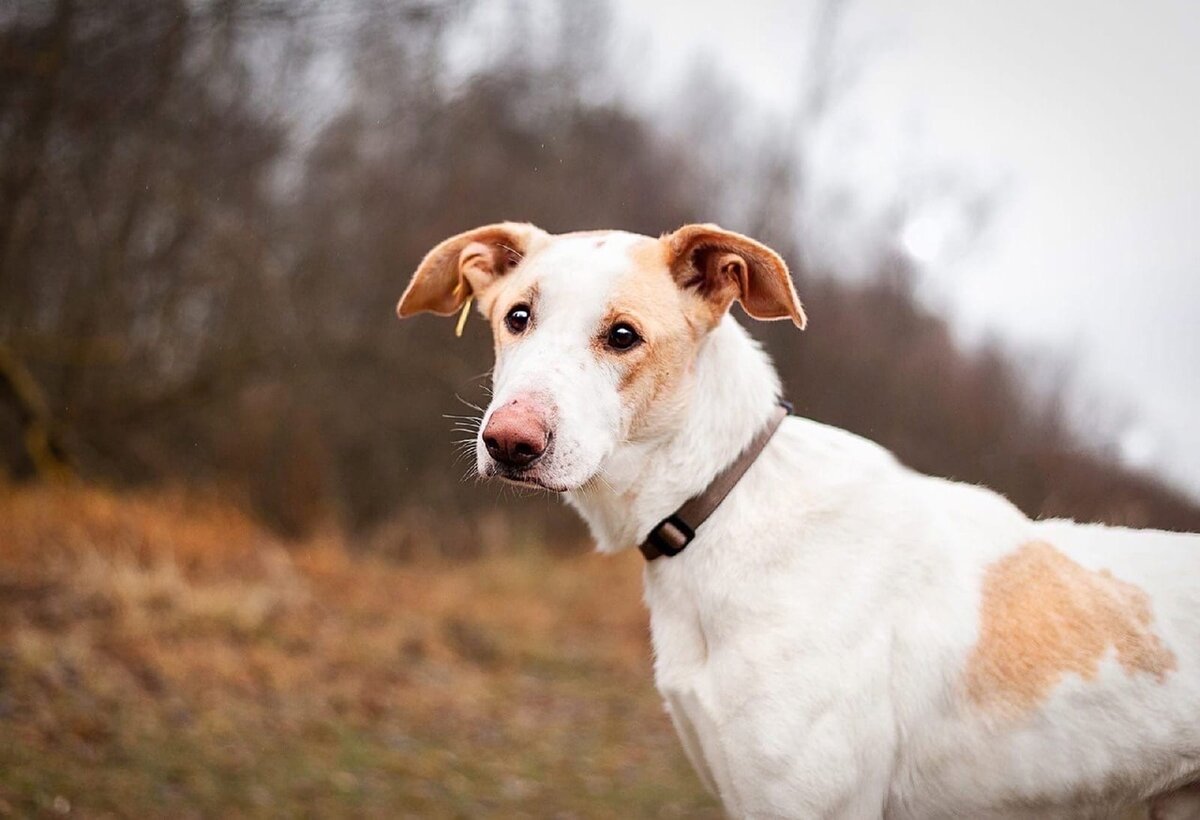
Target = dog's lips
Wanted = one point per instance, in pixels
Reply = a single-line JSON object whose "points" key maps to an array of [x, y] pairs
{"points": [[525, 478]]}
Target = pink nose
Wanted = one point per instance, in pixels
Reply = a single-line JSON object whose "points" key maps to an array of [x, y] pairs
{"points": [[516, 434]]}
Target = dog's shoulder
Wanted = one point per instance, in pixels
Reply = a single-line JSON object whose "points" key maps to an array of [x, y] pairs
{"points": [[832, 455], [835, 463]]}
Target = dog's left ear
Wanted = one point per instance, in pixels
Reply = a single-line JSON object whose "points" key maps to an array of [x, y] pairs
{"points": [[722, 266]]}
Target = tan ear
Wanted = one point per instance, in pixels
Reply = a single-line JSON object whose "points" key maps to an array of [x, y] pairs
{"points": [[464, 265], [722, 266]]}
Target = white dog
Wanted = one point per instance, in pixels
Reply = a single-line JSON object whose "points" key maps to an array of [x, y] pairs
{"points": [[843, 637]]}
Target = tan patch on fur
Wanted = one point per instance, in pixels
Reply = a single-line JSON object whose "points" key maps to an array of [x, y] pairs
{"points": [[648, 298], [1043, 616], [650, 255]]}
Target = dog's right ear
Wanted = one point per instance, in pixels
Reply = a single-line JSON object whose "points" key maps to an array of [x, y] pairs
{"points": [[464, 265]]}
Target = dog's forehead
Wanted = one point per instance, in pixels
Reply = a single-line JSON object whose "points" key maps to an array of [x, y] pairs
{"points": [[590, 264]]}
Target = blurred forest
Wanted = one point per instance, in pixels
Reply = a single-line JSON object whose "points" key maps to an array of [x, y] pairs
{"points": [[208, 209]]}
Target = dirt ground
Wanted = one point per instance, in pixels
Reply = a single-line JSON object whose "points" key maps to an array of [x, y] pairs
{"points": [[163, 655]]}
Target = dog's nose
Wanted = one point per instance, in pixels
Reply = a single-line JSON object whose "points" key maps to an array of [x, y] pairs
{"points": [[516, 434]]}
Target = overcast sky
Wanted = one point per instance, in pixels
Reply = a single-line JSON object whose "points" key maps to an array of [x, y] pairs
{"points": [[1083, 117]]}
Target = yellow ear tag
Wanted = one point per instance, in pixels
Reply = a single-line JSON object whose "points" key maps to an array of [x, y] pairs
{"points": [[462, 317]]}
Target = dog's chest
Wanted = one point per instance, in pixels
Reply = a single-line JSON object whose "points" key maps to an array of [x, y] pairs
{"points": [[721, 681]]}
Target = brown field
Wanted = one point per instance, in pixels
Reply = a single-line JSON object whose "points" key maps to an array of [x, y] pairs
{"points": [[164, 655]]}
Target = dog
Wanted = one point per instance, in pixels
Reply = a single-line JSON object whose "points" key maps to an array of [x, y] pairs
{"points": [[841, 636]]}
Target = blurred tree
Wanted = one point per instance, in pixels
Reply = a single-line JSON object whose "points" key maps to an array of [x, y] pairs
{"points": [[133, 187], [208, 210]]}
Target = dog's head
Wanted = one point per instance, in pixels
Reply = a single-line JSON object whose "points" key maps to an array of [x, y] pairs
{"points": [[595, 333]]}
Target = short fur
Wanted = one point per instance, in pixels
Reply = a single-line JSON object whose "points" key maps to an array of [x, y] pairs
{"points": [[845, 637]]}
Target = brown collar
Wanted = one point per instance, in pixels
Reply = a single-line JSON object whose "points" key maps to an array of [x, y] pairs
{"points": [[672, 535]]}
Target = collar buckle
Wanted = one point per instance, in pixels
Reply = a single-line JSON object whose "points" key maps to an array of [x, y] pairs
{"points": [[670, 536]]}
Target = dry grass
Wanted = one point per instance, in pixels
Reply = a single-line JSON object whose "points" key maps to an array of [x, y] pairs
{"points": [[162, 655]]}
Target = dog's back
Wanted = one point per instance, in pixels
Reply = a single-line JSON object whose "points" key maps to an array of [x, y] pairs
{"points": [[989, 665]]}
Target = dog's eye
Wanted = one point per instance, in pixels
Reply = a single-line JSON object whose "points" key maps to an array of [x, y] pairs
{"points": [[517, 319], [622, 337]]}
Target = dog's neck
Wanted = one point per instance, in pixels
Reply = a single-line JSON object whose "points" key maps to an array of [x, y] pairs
{"points": [[727, 398]]}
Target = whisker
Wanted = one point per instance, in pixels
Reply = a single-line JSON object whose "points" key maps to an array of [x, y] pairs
{"points": [[468, 404], [599, 479]]}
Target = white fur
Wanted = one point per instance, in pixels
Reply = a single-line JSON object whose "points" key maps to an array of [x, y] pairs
{"points": [[810, 643]]}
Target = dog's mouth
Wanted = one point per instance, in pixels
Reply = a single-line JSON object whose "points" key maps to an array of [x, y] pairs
{"points": [[529, 475], [526, 477]]}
